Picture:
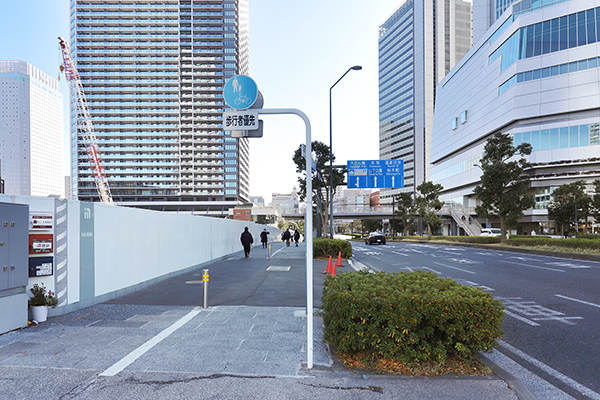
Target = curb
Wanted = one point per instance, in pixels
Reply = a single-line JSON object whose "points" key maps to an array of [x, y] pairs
{"points": [[513, 383]]}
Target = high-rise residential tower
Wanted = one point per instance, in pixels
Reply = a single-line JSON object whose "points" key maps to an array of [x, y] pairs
{"points": [[31, 131], [153, 74], [418, 45]]}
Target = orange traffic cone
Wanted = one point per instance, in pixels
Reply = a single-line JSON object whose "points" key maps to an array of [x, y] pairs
{"points": [[332, 268], [339, 260], [328, 270]]}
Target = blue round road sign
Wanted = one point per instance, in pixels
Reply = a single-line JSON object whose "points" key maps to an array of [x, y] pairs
{"points": [[240, 92]]}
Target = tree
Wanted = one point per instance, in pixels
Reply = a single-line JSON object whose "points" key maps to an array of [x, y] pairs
{"points": [[428, 203], [320, 180], [405, 210], [371, 225], [595, 205], [282, 224], [504, 185], [569, 204]]}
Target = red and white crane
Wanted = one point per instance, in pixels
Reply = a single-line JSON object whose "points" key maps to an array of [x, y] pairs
{"points": [[84, 122]]}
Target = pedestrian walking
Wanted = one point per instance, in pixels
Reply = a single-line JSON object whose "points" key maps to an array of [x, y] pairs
{"points": [[296, 237], [286, 237], [247, 241], [264, 238]]}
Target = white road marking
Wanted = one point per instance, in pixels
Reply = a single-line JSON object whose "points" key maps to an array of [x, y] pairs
{"points": [[578, 301], [458, 269], [140, 351], [400, 254], [477, 285], [535, 311], [522, 319], [432, 270], [465, 261], [533, 266], [525, 259], [570, 265], [551, 371], [539, 387]]}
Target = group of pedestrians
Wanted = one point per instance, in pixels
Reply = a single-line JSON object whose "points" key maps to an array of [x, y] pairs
{"points": [[247, 239], [287, 237]]}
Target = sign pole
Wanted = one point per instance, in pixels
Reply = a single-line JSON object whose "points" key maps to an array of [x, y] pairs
{"points": [[308, 228]]}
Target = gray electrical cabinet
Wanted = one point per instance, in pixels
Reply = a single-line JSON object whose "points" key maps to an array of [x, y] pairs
{"points": [[14, 265]]}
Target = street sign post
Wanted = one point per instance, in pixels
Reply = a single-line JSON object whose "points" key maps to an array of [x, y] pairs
{"points": [[241, 93], [375, 174]]}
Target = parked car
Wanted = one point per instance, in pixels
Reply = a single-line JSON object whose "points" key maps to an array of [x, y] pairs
{"points": [[375, 237], [497, 232]]}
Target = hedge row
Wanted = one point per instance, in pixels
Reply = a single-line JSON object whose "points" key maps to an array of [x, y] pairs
{"points": [[323, 248], [411, 317], [534, 241]]}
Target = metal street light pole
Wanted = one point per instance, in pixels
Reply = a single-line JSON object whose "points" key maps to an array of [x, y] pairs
{"points": [[355, 68]]}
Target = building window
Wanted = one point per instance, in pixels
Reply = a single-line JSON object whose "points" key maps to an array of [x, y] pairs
{"points": [[463, 116], [454, 123]]}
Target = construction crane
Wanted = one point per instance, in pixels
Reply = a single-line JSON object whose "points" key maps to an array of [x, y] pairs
{"points": [[84, 122]]}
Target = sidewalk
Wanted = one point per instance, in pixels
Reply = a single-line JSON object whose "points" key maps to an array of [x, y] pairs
{"points": [[250, 344]]}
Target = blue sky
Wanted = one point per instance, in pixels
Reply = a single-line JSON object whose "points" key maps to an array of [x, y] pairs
{"points": [[298, 50]]}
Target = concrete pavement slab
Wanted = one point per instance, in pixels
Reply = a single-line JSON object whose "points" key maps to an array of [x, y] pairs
{"points": [[231, 350]]}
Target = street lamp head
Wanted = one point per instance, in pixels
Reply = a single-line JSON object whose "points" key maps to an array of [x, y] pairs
{"points": [[357, 68]]}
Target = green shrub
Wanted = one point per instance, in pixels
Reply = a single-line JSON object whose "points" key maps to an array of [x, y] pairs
{"points": [[411, 317], [567, 244], [589, 236], [324, 247]]}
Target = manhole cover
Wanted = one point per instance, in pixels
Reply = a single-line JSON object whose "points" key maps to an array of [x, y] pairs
{"points": [[278, 268]]}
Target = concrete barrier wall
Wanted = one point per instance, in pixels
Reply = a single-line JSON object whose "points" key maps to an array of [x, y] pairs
{"points": [[107, 251]]}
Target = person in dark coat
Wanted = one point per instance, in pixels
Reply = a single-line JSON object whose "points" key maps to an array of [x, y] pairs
{"points": [[296, 237], [247, 241], [264, 238], [286, 237]]}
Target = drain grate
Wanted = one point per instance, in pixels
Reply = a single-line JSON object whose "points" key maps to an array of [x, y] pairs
{"points": [[278, 268]]}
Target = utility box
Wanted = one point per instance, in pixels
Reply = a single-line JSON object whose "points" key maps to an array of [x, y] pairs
{"points": [[14, 265]]}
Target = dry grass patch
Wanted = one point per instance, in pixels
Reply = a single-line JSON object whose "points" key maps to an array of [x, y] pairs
{"points": [[454, 365]]}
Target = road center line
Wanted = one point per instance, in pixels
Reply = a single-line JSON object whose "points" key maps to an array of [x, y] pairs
{"points": [[458, 269], [140, 351], [578, 301], [551, 371]]}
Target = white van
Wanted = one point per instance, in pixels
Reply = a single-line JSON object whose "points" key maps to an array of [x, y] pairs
{"points": [[491, 232]]}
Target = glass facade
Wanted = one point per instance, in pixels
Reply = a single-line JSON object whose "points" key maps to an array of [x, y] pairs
{"points": [[541, 73], [153, 75], [396, 90], [566, 32], [560, 138]]}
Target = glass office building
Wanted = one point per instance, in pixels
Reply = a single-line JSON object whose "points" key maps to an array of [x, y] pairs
{"points": [[418, 45], [535, 76], [153, 74]]}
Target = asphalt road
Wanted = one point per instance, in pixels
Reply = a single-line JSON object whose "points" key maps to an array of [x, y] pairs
{"points": [[552, 322]]}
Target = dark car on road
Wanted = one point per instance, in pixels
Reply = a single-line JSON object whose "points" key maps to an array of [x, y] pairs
{"points": [[375, 237]]}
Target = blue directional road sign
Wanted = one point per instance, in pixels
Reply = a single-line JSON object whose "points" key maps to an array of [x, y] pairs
{"points": [[373, 174], [240, 92]]}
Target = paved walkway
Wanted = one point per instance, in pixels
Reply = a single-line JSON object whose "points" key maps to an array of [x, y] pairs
{"points": [[251, 344]]}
